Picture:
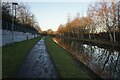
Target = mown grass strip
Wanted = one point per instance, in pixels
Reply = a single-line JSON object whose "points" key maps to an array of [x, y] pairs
{"points": [[63, 61], [13, 56]]}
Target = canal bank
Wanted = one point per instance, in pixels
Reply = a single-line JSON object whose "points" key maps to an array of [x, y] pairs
{"points": [[104, 62], [95, 42], [66, 64]]}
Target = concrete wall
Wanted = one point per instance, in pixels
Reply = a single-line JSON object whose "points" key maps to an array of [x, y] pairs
{"points": [[17, 36]]}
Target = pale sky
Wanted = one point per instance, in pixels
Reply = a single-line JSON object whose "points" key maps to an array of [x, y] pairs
{"points": [[52, 14]]}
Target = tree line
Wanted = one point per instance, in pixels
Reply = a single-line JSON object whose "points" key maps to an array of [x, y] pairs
{"points": [[23, 17], [102, 22]]}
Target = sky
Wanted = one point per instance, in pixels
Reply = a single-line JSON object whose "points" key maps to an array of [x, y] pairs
{"points": [[50, 15]]}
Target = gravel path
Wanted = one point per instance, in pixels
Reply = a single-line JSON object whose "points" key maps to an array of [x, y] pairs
{"points": [[38, 63]]}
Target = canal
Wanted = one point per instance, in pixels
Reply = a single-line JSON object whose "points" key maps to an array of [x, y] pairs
{"points": [[104, 62]]}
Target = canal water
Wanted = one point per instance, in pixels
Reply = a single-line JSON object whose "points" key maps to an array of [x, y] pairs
{"points": [[104, 62]]}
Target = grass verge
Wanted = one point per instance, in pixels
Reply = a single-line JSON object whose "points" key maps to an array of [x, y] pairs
{"points": [[14, 55], [64, 62]]}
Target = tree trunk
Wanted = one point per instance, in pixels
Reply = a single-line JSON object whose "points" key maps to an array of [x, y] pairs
{"points": [[89, 36], [111, 38], [114, 36]]}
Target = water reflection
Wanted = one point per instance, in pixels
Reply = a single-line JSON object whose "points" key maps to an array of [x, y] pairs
{"points": [[104, 62]]}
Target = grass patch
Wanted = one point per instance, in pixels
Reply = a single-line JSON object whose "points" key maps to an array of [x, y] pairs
{"points": [[64, 62], [13, 56]]}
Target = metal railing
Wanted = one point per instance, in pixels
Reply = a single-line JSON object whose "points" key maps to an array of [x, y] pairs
{"points": [[18, 27]]}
